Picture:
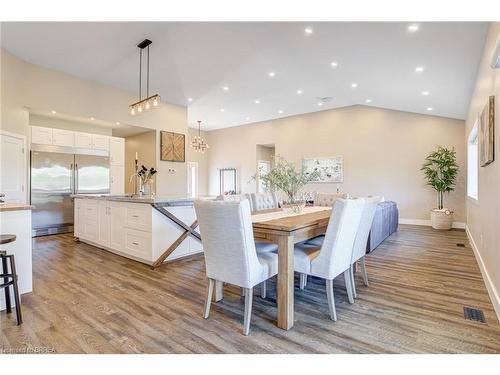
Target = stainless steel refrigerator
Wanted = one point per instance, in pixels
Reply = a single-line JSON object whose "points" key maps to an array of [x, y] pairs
{"points": [[55, 176]]}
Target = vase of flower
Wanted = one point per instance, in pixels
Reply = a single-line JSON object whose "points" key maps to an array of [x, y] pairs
{"points": [[145, 176], [285, 178]]}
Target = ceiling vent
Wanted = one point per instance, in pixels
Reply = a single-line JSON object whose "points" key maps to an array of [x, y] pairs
{"points": [[495, 59]]}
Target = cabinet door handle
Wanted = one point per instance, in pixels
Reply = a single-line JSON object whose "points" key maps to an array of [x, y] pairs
{"points": [[135, 243], [135, 215]]}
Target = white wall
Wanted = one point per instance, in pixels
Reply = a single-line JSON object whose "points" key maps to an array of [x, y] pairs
{"points": [[25, 85], [383, 151], [483, 215]]}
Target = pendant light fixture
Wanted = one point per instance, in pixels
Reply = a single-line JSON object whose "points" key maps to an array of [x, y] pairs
{"points": [[148, 102], [198, 144]]}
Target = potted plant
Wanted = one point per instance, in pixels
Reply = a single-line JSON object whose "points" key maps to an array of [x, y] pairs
{"points": [[285, 178], [440, 170]]}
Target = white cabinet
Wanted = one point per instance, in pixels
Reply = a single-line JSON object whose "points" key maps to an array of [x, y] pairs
{"points": [[117, 162], [100, 142], [41, 135], [104, 224], [79, 217], [83, 140], [117, 232], [117, 179], [117, 151], [61, 137]]}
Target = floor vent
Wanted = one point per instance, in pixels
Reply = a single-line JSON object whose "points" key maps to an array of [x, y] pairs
{"points": [[460, 245], [474, 315]]}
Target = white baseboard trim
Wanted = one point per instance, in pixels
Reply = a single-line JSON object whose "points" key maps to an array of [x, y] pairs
{"points": [[427, 223], [492, 291]]}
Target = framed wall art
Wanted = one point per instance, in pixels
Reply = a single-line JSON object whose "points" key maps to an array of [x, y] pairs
{"points": [[172, 146]]}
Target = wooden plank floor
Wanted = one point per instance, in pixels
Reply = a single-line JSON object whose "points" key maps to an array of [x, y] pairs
{"points": [[86, 300]]}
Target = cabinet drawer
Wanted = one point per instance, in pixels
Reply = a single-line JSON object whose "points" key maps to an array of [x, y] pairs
{"points": [[91, 212], [138, 244], [138, 217]]}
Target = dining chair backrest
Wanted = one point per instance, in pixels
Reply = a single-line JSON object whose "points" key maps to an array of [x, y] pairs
{"points": [[228, 242], [365, 225], [264, 201], [336, 252], [237, 198], [328, 199]]}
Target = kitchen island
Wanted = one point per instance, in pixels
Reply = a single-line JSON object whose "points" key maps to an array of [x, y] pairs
{"points": [[15, 218], [151, 230]]}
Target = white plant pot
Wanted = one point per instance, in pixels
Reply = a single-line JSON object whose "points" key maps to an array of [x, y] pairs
{"points": [[442, 219]]}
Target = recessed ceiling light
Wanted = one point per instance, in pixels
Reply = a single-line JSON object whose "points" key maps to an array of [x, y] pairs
{"points": [[118, 123], [299, 92], [92, 118], [425, 93], [190, 99], [429, 108], [271, 74], [247, 118], [280, 111], [53, 112], [257, 101], [222, 109], [413, 28], [225, 88], [354, 85], [308, 30], [334, 64], [419, 69], [320, 104], [368, 100]]}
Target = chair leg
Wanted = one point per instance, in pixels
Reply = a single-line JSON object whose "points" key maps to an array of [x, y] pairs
{"points": [[248, 311], [208, 301], [363, 271], [303, 280], [348, 285], [263, 290], [16, 290], [8, 304], [353, 283], [331, 300]]}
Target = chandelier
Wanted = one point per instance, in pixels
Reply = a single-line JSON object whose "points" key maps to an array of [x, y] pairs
{"points": [[148, 102], [198, 144]]}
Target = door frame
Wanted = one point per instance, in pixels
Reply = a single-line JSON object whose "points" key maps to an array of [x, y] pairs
{"points": [[23, 138], [189, 165], [257, 187]]}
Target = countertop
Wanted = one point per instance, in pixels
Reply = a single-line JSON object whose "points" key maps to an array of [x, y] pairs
{"points": [[137, 199], [15, 207]]}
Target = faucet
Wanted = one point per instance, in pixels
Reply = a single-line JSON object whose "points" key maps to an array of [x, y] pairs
{"points": [[1, 196]]}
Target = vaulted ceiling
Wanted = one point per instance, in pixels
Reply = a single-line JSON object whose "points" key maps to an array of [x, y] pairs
{"points": [[229, 74]]}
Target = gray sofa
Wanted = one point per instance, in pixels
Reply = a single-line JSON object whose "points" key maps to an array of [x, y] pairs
{"points": [[385, 223]]}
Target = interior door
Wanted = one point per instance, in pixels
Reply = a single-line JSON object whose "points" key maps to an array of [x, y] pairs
{"points": [[13, 165]]}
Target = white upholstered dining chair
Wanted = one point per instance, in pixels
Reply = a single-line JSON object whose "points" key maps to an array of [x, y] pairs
{"points": [[231, 255], [359, 248], [264, 201], [334, 256], [328, 199]]}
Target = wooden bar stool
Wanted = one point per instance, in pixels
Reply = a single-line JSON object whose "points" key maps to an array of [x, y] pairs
{"points": [[10, 278]]}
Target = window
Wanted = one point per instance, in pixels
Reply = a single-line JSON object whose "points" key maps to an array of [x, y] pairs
{"points": [[192, 176], [472, 162]]}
